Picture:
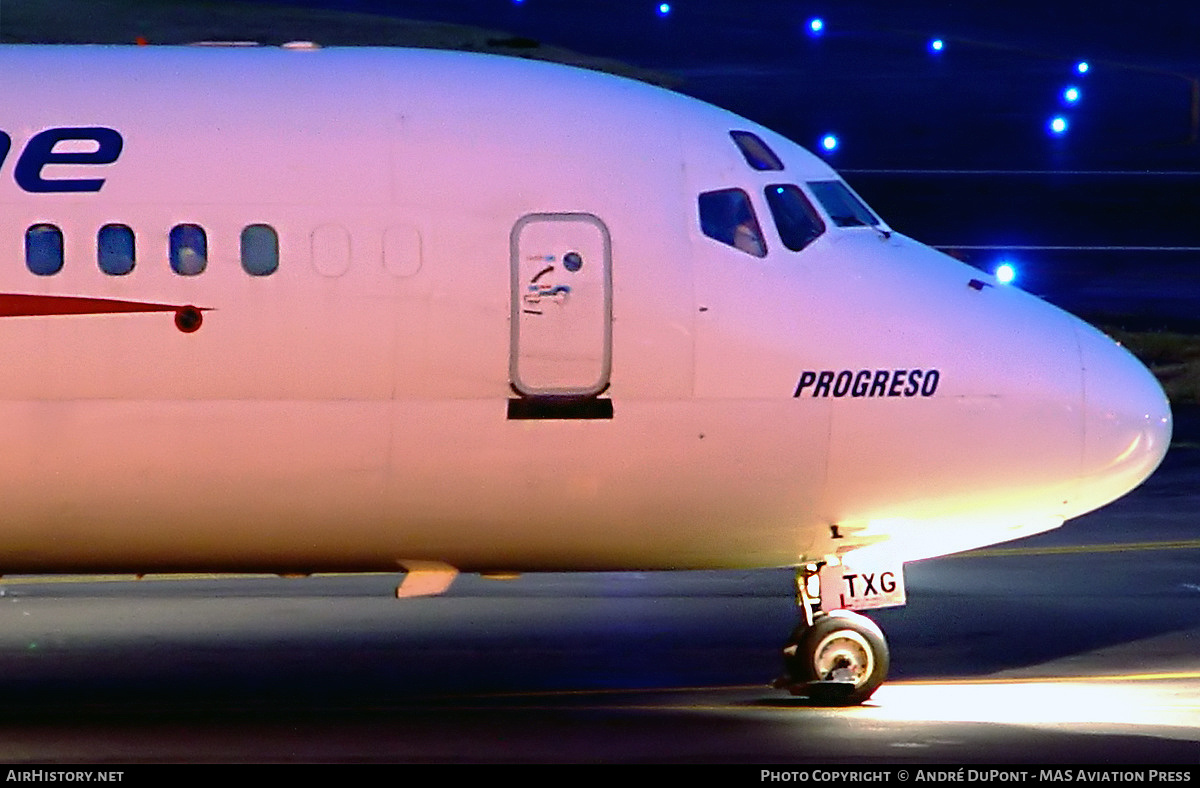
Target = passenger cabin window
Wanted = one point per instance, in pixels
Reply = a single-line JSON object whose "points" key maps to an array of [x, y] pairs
{"points": [[728, 216], [44, 249], [115, 249], [758, 154], [260, 250], [189, 249], [843, 207], [795, 218]]}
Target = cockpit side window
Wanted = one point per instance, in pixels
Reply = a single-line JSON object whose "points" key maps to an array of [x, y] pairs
{"points": [[758, 154], [843, 207], [727, 216], [795, 218]]}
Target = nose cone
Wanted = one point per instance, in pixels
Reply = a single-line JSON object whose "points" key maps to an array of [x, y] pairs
{"points": [[1126, 420]]}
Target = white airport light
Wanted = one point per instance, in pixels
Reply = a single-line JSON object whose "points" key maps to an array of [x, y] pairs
{"points": [[1082, 67], [664, 9], [1071, 95], [1058, 125], [816, 26], [937, 45], [829, 142], [1006, 273]]}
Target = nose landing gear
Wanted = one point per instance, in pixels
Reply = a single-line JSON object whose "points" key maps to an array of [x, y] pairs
{"points": [[836, 657]]}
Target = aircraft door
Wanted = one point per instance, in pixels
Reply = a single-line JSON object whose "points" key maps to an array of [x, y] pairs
{"points": [[561, 340]]}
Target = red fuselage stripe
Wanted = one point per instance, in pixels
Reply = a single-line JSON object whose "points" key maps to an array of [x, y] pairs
{"points": [[25, 305]]}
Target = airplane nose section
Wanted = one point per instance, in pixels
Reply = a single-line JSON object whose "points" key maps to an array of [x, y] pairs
{"points": [[1126, 420]]}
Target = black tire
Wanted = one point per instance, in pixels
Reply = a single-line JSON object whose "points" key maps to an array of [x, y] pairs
{"points": [[840, 646]]}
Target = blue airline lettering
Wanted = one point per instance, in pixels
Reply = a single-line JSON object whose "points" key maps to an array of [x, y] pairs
{"points": [[39, 152]]}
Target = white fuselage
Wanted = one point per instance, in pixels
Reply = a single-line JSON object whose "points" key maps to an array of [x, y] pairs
{"points": [[352, 409]]}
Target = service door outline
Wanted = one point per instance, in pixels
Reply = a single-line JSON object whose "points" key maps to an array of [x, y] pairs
{"points": [[561, 294]]}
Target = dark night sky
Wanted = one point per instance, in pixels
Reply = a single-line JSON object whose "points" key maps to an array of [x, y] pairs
{"points": [[1161, 35], [996, 84], [983, 103]]}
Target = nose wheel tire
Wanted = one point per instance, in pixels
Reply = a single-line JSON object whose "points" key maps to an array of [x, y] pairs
{"points": [[841, 659]]}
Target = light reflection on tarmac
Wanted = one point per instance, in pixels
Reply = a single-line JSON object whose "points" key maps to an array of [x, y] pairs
{"points": [[1165, 704]]}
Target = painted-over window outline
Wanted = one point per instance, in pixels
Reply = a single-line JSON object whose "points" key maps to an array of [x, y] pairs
{"points": [[116, 249], [44, 249]]}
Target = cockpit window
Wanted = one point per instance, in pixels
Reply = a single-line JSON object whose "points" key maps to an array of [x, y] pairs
{"points": [[795, 218], [843, 207], [728, 217], [758, 154]]}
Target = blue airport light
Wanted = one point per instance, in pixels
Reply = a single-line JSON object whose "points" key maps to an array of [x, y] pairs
{"points": [[1058, 125], [816, 26], [829, 142], [664, 9], [1006, 273], [1082, 67], [1071, 94], [937, 45]]}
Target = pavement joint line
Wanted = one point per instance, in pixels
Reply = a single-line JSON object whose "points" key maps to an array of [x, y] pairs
{"points": [[1106, 678], [1052, 173], [1062, 248], [1116, 547]]}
